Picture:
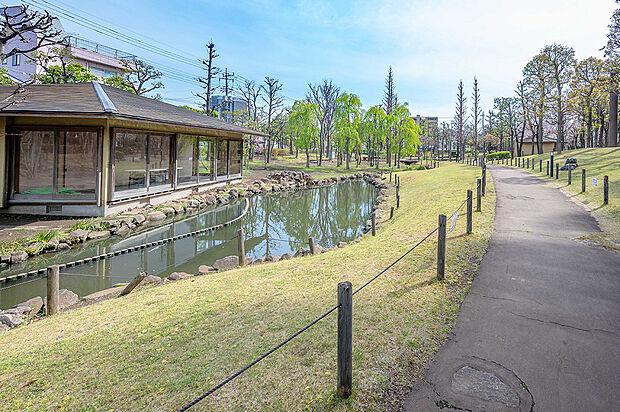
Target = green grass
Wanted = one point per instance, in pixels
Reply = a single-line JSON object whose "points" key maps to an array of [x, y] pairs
{"points": [[160, 347], [327, 170], [598, 162]]}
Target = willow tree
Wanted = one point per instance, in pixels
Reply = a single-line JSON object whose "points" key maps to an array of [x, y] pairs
{"points": [[375, 127], [407, 137], [346, 121], [303, 124]]}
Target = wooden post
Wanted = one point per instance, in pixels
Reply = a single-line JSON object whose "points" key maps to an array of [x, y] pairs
{"points": [[551, 165], [469, 211], [374, 223], [398, 202], [390, 175], [134, 282], [392, 212], [557, 170], [519, 162], [540, 166], [583, 180], [311, 244], [570, 176], [241, 247], [605, 190], [547, 168], [345, 339], [484, 181], [511, 161], [53, 290], [479, 196], [441, 248]]}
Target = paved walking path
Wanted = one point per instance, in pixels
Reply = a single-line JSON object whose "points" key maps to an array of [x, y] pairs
{"points": [[540, 328]]}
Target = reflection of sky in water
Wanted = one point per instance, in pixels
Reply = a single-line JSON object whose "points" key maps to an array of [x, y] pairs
{"points": [[275, 224]]}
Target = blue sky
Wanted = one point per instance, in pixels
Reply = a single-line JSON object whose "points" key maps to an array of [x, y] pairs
{"points": [[430, 45]]}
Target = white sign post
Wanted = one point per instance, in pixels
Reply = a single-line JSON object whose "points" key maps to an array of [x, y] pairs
{"points": [[594, 182]]}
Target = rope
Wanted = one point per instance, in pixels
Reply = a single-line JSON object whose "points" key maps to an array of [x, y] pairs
{"points": [[95, 276], [396, 261], [22, 283], [144, 245], [260, 358]]}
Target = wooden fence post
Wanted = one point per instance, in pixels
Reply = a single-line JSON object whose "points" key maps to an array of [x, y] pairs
{"points": [[540, 166], [441, 248], [241, 247], [132, 285], [469, 211], [551, 165], [392, 212], [311, 244], [570, 176], [484, 181], [53, 290], [557, 170], [583, 180], [345, 339], [547, 168], [605, 190], [397, 201], [374, 223], [479, 196]]}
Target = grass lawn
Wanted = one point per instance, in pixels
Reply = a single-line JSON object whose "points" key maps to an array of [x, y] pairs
{"points": [[160, 347], [328, 168], [598, 162]]}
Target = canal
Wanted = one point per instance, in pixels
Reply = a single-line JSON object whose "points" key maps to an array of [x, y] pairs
{"points": [[274, 224]]}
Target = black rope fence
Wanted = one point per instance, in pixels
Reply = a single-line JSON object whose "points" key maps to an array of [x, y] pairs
{"points": [[305, 328]]}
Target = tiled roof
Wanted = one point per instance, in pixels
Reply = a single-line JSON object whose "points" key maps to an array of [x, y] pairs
{"points": [[96, 99]]}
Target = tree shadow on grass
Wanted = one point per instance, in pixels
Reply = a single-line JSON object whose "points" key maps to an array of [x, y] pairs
{"points": [[400, 292]]}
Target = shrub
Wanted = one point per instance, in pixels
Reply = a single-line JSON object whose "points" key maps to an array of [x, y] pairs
{"points": [[279, 152], [498, 155]]}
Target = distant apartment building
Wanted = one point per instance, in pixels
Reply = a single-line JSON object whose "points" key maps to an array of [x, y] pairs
{"points": [[233, 104], [427, 123], [102, 61]]}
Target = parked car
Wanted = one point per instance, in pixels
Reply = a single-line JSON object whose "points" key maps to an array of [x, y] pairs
{"points": [[571, 164]]}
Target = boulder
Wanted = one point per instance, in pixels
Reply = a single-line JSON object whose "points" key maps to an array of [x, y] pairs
{"points": [[300, 252], [78, 235], [167, 210], [66, 298], [100, 234], [11, 319], [259, 261], [52, 244], [121, 230], [273, 258], [226, 263], [318, 249], [139, 219], [35, 248], [248, 260], [287, 256], [18, 256], [179, 276], [4, 327], [5, 258], [35, 304], [63, 246], [156, 216], [210, 199], [204, 269], [150, 279], [178, 208], [93, 297], [342, 244]]}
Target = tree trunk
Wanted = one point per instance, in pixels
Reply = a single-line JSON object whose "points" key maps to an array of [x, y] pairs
{"points": [[307, 157], [612, 138]]}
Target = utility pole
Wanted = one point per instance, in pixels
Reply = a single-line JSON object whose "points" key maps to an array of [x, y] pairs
{"points": [[226, 107]]}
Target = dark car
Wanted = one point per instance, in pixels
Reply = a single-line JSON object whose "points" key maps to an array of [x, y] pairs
{"points": [[571, 164]]}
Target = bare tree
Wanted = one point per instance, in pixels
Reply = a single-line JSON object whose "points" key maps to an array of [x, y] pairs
{"points": [[459, 119], [271, 88], [324, 95], [18, 26], [249, 94], [476, 102], [212, 72], [389, 102], [138, 77]]}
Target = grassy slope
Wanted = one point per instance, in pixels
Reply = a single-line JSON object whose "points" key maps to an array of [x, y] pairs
{"points": [[598, 162], [161, 346]]}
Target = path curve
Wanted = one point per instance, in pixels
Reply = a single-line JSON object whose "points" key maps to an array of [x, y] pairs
{"points": [[540, 328]]}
